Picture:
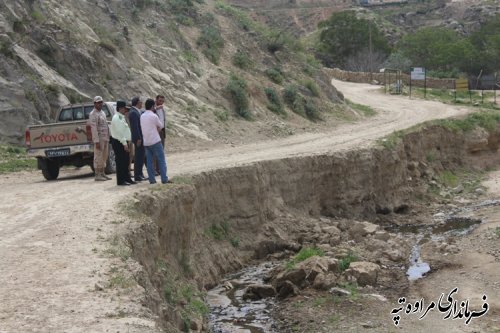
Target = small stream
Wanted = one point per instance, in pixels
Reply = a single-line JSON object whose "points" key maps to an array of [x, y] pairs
{"points": [[230, 313]]}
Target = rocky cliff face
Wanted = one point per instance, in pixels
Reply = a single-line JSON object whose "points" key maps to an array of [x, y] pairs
{"points": [[54, 53]]}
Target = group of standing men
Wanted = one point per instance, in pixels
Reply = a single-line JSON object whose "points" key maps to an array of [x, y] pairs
{"points": [[132, 129]]}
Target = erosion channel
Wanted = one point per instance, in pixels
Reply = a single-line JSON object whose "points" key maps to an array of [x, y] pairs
{"points": [[322, 243]]}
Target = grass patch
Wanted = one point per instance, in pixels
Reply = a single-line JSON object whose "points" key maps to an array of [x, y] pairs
{"points": [[221, 232], [485, 119], [448, 178], [186, 180], [119, 249], [304, 254], [365, 110], [320, 301], [497, 231], [462, 97], [273, 39], [13, 159], [237, 88], [392, 140], [119, 280], [345, 262]]}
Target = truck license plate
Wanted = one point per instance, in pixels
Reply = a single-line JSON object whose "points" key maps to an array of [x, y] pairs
{"points": [[57, 152]]}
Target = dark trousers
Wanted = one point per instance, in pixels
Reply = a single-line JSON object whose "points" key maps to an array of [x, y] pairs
{"points": [[122, 159], [140, 154]]}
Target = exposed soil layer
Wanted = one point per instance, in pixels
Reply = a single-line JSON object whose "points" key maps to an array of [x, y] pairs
{"points": [[269, 205]]}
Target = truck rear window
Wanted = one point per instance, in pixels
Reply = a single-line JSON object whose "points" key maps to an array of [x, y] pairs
{"points": [[80, 112]]}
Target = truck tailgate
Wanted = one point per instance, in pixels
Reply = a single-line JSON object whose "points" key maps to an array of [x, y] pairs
{"points": [[58, 135]]}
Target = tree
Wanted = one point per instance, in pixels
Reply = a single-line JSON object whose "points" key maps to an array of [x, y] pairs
{"points": [[398, 61], [438, 49], [344, 35], [487, 43]]}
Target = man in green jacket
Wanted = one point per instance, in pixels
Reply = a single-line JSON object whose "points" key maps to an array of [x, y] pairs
{"points": [[120, 138]]}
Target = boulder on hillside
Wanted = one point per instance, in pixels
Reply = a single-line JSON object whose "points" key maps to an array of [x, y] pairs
{"points": [[361, 229], [287, 289], [365, 273], [259, 291], [317, 265], [324, 281], [297, 276]]}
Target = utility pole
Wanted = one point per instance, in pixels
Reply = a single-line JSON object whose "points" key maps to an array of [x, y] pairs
{"points": [[370, 49]]}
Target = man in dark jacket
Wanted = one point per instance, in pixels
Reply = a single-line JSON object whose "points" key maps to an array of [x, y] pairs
{"points": [[135, 127]]}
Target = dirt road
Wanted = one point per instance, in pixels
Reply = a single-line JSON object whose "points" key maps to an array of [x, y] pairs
{"points": [[54, 236]]}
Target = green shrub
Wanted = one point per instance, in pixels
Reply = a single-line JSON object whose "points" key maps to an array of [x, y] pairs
{"points": [[275, 103], [312, 87], [211, 43], [311, 110], [296, 101], [6, 49], [275, 74], [242, 60], [290, 94], [221, 115], [37, 16], [237, 87]]}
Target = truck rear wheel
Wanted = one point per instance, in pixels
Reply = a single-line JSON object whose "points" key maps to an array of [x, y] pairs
{"points": [[50, 168], [111, 162]]}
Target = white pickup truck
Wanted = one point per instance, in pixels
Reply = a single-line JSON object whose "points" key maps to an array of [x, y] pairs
{"points": [[68, 141]]}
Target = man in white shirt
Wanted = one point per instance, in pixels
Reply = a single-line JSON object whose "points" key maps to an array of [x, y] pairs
{"points": [[150, 126], [120, 137], [160, 112]]}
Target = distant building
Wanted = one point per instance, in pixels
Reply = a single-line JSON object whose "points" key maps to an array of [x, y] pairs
{"points": [[380, 2]]}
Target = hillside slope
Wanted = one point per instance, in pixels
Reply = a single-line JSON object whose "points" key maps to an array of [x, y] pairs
{"points": [[54, 53]]}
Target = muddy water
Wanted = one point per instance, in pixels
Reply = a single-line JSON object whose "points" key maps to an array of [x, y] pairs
{"points": [[456, 222], [230, 313]]}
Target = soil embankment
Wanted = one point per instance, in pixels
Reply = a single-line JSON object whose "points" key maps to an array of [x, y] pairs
{"points": [[269, 205]]}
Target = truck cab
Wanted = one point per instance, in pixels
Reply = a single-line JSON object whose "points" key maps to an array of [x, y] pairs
{"points": [[68, 141]]}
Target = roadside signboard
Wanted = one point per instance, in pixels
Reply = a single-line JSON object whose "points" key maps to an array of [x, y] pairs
{"points": [[417, 73], [461, 84]]}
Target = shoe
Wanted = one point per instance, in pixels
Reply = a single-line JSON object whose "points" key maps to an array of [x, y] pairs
{"points": [[107, 177], [99, 178], [139, 179], [168, 182], [131, 182], [152, 183], [124, 184]]}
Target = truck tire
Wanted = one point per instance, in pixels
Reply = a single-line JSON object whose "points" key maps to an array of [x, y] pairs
{"points": [[50, 168], [111, 162]]}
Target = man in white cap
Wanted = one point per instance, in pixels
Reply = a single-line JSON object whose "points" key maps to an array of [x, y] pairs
{"points": [[100, 137]]}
